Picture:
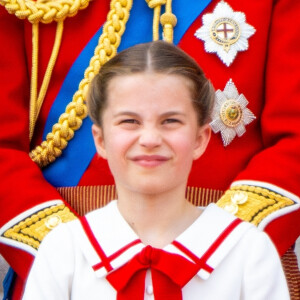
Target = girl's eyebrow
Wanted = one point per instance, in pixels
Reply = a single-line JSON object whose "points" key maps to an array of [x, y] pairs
{"points": [[173, 113], [166, 114], [126, 113]]}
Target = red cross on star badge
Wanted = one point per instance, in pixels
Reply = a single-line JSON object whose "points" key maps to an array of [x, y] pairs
{"points": [[225, 32]]}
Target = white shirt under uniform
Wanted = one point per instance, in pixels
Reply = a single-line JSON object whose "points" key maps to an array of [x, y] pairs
{"points": [[243, 265]]}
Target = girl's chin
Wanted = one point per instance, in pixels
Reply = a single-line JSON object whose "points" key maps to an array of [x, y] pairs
{"points": [[152, 189]]}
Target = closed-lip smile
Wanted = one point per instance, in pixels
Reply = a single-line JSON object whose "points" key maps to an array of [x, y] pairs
{"points": [[149, 160]]}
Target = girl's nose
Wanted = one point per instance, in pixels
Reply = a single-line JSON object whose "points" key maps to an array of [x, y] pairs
{"points": [[150, 138]]}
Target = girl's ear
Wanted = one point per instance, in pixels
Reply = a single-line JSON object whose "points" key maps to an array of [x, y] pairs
{"points": [[202, 139], [99, 140]]}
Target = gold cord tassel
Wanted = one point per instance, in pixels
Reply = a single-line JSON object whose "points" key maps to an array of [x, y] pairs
{"points": [[168, 20], [156, 6]]}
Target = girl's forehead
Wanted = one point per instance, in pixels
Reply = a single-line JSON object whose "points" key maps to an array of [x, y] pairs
{"points": [[144, 84], [146, 94], [151, 82], [146, 77]]}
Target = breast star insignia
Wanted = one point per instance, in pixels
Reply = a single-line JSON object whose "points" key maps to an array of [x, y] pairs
{"points": [[230, 113], [225, 32]]}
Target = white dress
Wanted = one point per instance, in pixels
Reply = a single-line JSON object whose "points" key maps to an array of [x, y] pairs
{"points": [[244, 266]]}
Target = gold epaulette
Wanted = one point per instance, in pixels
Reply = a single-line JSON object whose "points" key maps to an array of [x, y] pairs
{"points": [[252, 203], [33, 229]]}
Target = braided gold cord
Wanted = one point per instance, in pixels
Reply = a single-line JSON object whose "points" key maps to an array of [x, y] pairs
{"points": [[76, 110], [44, 11]]}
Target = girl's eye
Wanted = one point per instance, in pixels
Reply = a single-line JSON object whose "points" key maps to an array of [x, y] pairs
{"points": [[129, 121], [171, 121], [129, 124]]}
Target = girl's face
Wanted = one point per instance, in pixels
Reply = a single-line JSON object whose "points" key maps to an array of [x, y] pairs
{"points": [[150, 135]]}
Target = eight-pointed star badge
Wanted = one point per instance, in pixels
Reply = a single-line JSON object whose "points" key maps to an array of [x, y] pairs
{"points": [[230, 113], [225, 32]]}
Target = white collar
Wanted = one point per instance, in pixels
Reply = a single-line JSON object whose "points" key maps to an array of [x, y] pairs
{"points": [[115, 235]]}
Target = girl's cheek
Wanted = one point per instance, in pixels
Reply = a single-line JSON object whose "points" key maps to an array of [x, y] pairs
{"points": [[122, 138]]}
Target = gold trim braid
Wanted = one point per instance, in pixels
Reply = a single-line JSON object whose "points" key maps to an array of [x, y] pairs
{"points": [[44, 11], [83, 199], [76, 111], [252, 203], [33, 229]]}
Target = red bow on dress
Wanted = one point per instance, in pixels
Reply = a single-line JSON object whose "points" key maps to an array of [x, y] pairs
{"points": [[170, 273]]}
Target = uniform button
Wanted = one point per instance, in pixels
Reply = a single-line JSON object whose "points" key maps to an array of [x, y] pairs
{"points": [[239, 198], [52, 221], [149, 290]]}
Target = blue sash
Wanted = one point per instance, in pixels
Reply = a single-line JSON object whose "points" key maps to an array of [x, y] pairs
{"points": [[8, 284]]}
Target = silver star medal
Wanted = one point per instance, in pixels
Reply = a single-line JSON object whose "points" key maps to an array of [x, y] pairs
{"points": [[225, 32], [230, 113]]}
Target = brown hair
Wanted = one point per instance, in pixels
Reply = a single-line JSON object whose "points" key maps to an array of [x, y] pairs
{"points": [[157, 57]]}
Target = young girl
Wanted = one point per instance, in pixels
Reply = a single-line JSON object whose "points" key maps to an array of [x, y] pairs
{"points": [[151, 106]]}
